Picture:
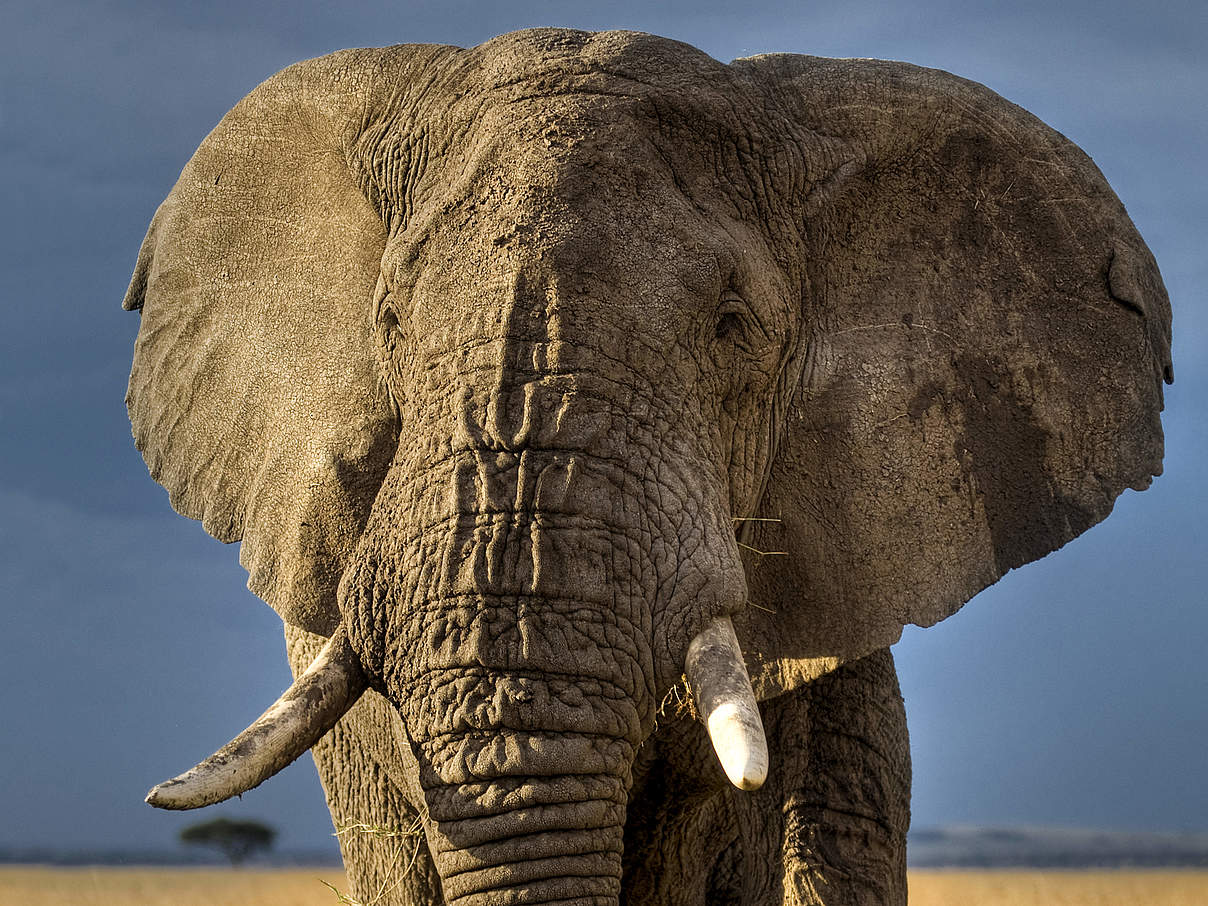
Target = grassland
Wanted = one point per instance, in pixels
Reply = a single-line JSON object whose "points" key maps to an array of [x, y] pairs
{"points": [[35, 886], [29, 886], [1058, 888]]}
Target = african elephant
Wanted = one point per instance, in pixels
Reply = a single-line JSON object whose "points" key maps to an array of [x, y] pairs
{"points": [[572, 387]]}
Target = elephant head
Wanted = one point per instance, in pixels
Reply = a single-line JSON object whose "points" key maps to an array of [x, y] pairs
{"points": [[531, 373]]}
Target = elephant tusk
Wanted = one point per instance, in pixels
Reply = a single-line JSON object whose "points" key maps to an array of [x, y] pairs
{"points": [[295, 722], [717, 677]]}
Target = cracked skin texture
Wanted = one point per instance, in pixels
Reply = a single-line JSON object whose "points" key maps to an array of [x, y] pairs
{"points": [[517, 361]]}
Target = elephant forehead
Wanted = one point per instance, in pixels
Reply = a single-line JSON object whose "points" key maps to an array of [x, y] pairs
{"points": [[566, 224], [554, 105], [534, 317], [593, 149], [622, 55], [544, 63], [583, 185]]}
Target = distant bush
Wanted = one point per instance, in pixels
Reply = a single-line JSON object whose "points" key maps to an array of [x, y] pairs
{"points": [[237, 839]]}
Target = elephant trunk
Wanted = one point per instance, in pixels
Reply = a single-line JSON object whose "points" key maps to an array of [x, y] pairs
{"points": [[525, 783], [525, 592], [522, 811], [551, 840]]}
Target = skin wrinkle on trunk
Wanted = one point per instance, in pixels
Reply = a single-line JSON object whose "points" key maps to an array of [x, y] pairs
{"points": [[491, 834], [486, 800], [477, 854], [449, 554]]}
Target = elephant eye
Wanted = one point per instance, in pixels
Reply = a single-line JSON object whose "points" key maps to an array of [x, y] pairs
{"points": [[736, 323], [389, 321], [733, 316]]}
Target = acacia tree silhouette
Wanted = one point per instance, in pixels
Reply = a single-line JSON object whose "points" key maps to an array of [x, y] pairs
{"points": [[237, 839]]}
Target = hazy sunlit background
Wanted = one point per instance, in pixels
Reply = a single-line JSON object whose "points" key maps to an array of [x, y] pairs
{"points": [[1072, 694]]}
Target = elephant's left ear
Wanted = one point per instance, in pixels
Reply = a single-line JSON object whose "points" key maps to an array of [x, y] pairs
{"points": [[983, 372], [255, 395]]}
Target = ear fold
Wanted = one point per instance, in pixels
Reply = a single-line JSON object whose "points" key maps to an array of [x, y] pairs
{"points": [[255, 394], [985, 378]]}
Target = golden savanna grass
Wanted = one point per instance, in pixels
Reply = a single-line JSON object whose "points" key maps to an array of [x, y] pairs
{"points": [[1058, 888], [35, 886], [29, 886]]}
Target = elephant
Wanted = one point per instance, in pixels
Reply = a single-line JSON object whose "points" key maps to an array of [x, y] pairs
{"points": [[595, 415]]}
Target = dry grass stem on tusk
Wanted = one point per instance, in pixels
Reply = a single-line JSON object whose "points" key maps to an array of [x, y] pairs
{"points": [[295, 722], [717, 676]]}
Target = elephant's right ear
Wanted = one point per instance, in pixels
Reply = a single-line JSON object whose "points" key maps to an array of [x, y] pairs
{"points": [[255, 394], [987, 340]]}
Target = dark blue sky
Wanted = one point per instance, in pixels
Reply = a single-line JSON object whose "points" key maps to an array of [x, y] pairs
{"points": [[1074, 693]]}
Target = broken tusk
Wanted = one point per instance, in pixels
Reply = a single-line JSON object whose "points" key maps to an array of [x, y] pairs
{"points": [[717, 677], [295, 722]]}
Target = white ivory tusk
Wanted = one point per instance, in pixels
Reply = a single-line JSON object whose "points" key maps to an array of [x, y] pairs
{"points": [[295, 722], [717, 677]]}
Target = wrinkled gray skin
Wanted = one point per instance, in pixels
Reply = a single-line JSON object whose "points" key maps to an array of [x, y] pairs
{"points": [[511, 360]]}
